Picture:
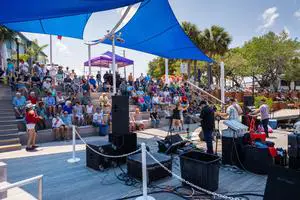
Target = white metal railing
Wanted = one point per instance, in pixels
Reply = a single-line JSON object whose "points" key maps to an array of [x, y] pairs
{"points": [[26, 182], [203, 91]]}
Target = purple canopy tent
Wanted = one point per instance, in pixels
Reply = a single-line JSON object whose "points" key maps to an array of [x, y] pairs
{"points": [[105, 60]]}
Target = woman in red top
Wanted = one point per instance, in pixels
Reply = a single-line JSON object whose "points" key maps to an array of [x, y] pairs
{"points": [[31, 119], [32, 98]]}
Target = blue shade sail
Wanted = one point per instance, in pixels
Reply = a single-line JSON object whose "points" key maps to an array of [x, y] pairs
{"points": [[154, 29], [71, 26], [29, 10]]}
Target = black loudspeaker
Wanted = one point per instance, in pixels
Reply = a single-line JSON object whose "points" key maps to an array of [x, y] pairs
{"points": [[294, 151], [120, 115], [232, 151], [282, 183], [248, 101], [124, 143], [170, 144], [154, 170], [98, 162]]}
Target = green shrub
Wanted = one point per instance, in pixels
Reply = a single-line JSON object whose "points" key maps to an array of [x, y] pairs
{"points": [[258, 99]]}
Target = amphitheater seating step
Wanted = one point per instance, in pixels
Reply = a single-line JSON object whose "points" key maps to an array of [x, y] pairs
{"points": [[11, 147]]}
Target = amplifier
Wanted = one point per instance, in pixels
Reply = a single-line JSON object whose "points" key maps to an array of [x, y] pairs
{"points": [[124, 143], [98, 162], [232, 155], [154, 170], [294, 145]]}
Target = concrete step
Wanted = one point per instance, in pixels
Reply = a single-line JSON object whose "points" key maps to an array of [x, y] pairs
{"points": [[9, 131], [7, 108], [9, 136], [9, 141], [10, 121], [8, 126], [6, 117], [11, 147]]}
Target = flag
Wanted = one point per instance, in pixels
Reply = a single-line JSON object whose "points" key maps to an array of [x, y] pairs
{"points": [[59, 37]]}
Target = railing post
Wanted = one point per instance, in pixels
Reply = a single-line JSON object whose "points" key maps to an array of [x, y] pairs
{"points": [[144, 172], [73, 159], [40, 189]]}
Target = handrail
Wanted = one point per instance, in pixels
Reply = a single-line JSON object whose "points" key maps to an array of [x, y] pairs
{"points": [[212, 96], [26, 182]]}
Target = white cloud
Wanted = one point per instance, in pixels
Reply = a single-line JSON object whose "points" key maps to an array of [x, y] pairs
{"points": [[130, 14], [268, 17], [62, 48], [297, 14]]}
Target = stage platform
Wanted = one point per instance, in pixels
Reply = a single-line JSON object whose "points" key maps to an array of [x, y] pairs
{"points": [[75, 181]]}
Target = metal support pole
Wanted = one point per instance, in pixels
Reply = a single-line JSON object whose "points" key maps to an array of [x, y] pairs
{"points": [[89, 57], [222, 81], [144, 173], [114, 65], [40, 189], [133, 72], [51, 62], [73, 159], [124, 66], [166, 71], [18, 52]]}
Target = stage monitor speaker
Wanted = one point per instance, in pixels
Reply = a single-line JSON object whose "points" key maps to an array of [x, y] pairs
{"points": [[120, 115], [171, 143], [248, 101], [282, 183]]}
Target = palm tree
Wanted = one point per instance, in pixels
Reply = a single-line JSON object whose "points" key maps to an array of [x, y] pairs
{"points": [[194, 34], [214, 41], [34, 50], [5, 34]]}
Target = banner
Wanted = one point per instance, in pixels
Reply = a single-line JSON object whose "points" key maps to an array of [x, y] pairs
{"points": [[183, 68]]}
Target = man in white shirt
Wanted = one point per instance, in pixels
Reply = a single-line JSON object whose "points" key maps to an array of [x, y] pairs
{"points": [[98, 117], [58, 127], [232, 112], [24, 67]]}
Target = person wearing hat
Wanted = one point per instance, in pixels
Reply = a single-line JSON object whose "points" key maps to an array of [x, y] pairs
{"points": [[104, 101], [19, 103], [31, 119], [207, 117], [78, 114], [32, 98], [85, 99], [93, 83]]}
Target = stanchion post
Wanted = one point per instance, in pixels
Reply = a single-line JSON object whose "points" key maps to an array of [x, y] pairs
{"points": [[144, 173], [40, 187], [73, 159]]}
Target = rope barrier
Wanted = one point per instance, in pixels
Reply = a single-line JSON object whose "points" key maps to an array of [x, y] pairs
{"points": [[105, 155], [191, 184]]}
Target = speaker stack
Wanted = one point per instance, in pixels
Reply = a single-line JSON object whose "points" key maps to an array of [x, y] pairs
{"points": [[120, 141], [294, 151]]}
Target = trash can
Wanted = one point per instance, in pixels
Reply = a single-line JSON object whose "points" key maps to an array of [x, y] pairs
{"points": [[103, 129], [273, 123], [201, 169]]}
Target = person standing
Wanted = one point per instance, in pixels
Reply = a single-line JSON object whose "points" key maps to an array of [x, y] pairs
{"points": [[264, 114], [31, 120], [207, 117]]}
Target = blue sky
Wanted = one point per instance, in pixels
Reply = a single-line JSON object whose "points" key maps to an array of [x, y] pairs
{"points": [[242, 19]]}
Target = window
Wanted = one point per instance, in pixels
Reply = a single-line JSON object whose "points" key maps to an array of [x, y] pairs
{"points": [[284, 83], [297, 83]]}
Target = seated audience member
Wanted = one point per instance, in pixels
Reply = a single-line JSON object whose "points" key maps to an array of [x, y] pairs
{"points": [[104, 101], [21, 87], [140, 91], [67, 120], [19, 103], [41, 111], [78, 114], [155, 99], [36, 81], [89, 111], [59, 109], [68, 107], [141, 103], [123, 88], [50, 104], [147, 100], [154, 117], [60, 99], [60, 75], [85, 99], [47, 85], [129, 89], [75, 98], [59, 128], [99, 121], [93, 83], [138, 120], [86, 86], [176, 99], [32, 98]]}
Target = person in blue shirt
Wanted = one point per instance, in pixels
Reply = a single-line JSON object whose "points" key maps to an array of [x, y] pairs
{"points": [[50, 104], [93, 82], [140, 92], [10, 67], [19, 103], [68, 107], [67, 120]]}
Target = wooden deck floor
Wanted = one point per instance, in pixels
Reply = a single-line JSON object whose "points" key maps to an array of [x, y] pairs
{"points": [[75, 181]]}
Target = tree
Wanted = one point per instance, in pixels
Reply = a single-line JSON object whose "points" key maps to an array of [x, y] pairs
{"points": [[34, 49], [194, 34], [270, 56], [214, 42], [156, 67], [292, 73]]}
